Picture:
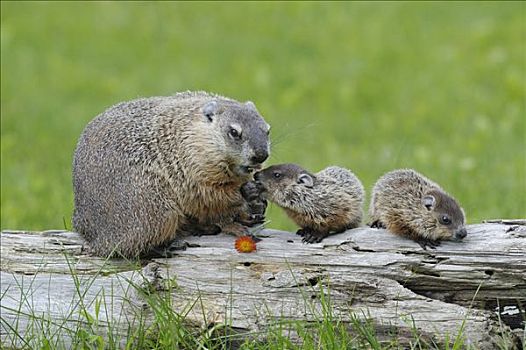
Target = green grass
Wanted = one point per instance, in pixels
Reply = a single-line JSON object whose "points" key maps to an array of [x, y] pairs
{"points": [[438, 87]]}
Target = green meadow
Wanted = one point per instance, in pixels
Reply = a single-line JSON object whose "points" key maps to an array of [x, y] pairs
{"points": [[435, 86]]}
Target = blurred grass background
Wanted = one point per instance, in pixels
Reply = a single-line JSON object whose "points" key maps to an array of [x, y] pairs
{"points": [[439, 87]]}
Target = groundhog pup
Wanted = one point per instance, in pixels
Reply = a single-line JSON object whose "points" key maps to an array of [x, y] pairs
{"points": [[148, 169], [329, 201], [408, 204]]}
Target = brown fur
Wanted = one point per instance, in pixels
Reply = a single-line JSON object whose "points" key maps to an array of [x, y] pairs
{"points": [[398, 204], [331, 203], [145, 168]]}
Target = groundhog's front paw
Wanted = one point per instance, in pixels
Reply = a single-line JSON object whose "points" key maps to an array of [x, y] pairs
{"points": [[251, 220], [257, 207], [311, 236], [253, 213], [377, 224], [314, 237], [424, 243], [251, 191]]}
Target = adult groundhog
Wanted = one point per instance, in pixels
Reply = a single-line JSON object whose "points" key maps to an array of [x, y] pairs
{"points": [[147, 169], [408, 204], [329, 201]]}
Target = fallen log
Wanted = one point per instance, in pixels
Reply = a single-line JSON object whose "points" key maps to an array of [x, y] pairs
{"points": [[47, 280]]}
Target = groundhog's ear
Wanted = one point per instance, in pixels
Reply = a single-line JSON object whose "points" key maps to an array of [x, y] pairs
{"points": [[429, 201], [251, 105], [211, 109], [306, 180]]}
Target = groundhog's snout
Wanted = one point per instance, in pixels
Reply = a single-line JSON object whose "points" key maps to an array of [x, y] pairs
{"points": [[260, 178], [461, 233], [259, 156]]}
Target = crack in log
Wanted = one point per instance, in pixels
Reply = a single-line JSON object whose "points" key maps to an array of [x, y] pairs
{"points": [[422, 270], [506, 221], [358, 249], [501, 308]]}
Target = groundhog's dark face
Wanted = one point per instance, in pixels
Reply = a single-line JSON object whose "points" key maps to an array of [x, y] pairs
{"points": [[448, 215], [241, 134], [284, 183]]}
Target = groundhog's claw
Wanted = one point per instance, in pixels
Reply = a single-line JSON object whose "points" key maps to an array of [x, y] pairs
{"points": [[424, 243], [310, 236], [377, 224], [301, 232], [253, 214], [251, 220], [258, 219]]}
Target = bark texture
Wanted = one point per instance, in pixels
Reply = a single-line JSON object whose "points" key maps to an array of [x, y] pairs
{"points": [[372, 274]]}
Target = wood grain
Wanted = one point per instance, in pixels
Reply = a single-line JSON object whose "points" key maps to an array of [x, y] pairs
{"points": [[366, 272]]}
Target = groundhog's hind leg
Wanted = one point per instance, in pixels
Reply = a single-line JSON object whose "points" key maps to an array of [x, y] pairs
{"points": [[170, 239], [192, 227], [206, 230], [167, 250]]}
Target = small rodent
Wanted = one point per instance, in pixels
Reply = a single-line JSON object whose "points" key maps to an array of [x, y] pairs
{"points": [[330, 201], [409, 204], [148, 169]]}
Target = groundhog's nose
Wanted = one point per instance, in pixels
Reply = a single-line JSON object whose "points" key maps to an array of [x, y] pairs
{"points": [[461, 233], [259, 156], [257, 176]]}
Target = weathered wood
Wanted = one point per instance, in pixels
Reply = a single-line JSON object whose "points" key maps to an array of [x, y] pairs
{"points": [[366, 272]]}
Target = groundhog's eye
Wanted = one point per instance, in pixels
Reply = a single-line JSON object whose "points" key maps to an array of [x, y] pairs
{"points": [[277, 175], [445, 220], [234, 133]]}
